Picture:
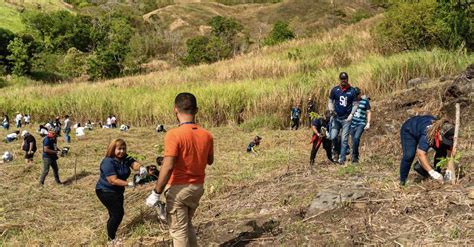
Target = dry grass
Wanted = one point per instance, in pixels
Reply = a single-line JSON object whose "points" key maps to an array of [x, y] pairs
{"points": [[264, 83], [251, 199]]}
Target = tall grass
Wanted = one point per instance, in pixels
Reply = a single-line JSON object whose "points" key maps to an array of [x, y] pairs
{"points": [[259, 85]]}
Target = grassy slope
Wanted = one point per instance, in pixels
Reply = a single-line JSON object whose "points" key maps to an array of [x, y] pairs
{"points": [[250, 197], [262, 83], [10, 18], [305, 17]]}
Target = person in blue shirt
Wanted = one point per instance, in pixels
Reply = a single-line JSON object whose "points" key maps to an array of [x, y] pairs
{"points": [[295, 117], [360, 122], [420, 133], [50, 157], [115, 169], [342, 104], [320, 127]]}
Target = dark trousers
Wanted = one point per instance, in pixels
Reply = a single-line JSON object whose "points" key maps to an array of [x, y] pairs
{"points": [[113, 201], [356, 133], [295, 123], [409, 146], [327, 145], [67, 136], [48, 162]]}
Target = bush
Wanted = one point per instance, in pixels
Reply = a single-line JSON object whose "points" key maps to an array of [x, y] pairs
{"points": [[196, 51], [5, 38], [280, 33], [73, 63], [426, 24], [221, 44], [20, 54], [359, 15]]}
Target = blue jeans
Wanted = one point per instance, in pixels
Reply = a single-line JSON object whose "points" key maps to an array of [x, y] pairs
{"points": [[336, 126], [409, 144], [67, 137], [356, 133]]}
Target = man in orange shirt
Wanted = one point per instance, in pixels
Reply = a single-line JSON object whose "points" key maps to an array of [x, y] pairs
{"points": [[188, 149]]}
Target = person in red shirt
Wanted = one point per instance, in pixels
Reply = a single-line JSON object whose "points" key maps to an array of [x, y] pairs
{"points": [[188, 150]]}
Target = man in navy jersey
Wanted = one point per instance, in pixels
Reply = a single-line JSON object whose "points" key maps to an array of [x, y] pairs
{"points": [[418, 134], [360, 122], [342, 106]]}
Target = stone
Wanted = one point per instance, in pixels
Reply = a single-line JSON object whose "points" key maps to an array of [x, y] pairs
{"points": [[471, 194], [331, 198], [416, 82]]}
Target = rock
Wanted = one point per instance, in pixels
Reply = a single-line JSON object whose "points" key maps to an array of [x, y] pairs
{"points": [[264, 211], [331, 198], [416, 82], [471, 194]]}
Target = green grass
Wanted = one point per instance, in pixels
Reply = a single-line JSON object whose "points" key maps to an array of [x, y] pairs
{"points": [[10, 18]]}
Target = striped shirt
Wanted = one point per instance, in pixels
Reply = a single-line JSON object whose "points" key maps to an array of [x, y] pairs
{"points": [[360, 116]]}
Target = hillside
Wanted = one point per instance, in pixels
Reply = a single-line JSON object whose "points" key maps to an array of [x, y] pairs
{"points": [[264, 199], [260, 87], [305, 17], [11, 10]]}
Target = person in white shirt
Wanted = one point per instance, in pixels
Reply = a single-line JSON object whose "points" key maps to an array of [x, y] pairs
{"points": [[6, 157], [12, 136], [109, 122], [27, 119], [18, 119], [80, 131], [113, 121], [67, 129], [124, 128], [43, 131]]}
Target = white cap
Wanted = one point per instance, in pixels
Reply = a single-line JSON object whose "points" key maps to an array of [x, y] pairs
{"points": [[23, 133]]}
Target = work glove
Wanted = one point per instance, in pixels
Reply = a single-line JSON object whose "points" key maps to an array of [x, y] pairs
{"points": [[143, 172], [367, 126], [131, 184], [436, 175], [349, 118], [448, 176], [152, 199]]}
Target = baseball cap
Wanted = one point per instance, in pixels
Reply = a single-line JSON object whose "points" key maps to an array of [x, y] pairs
{"points": [[447, 134], [343, 76]]}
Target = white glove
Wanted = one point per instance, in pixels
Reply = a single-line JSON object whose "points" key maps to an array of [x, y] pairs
{"points": [[143, 172], [152, 199], [435, 175], [349, 118], [131, 185], [367, 126], [448, 176]]}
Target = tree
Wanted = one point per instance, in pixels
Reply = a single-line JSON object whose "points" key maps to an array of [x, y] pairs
{"points": [[197, 51], [281, 32], [19, 56], [5, 38], [225, 28], [60, 30], [426, 24]]}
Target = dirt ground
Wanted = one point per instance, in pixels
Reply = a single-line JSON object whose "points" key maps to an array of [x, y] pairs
{"points": [[264, 199]]}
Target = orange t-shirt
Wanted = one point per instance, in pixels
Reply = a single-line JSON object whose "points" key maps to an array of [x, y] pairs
{"points": [[191, 145]]}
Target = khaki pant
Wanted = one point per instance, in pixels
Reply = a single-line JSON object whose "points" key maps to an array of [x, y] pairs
{"points": [[181, 203]]}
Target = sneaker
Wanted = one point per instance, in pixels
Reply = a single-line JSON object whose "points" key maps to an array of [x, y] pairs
{"points": [[355, 161]]}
